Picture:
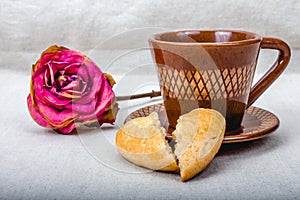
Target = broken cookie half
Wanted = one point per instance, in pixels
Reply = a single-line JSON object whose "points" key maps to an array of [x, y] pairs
{"points": [[142, 142], [198, 135]]}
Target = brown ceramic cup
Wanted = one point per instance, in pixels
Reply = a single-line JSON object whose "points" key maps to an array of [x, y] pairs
{"points": [[213, 69]]}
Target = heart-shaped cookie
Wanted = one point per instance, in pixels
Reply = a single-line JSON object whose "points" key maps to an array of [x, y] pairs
{"points": [[199, 135]]}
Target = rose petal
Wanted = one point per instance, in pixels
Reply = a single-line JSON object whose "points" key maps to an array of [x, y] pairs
{"points": [[83, 108], [109, 79], [110, 115], [51, 99], [70, 56], [42, 62], [78, 69], [57, 66], [65, 68], [35, 114], [46, 55], [61, 59], [55, 117], [107, 117], [46, 96], [67, 129], [106, 97], [78, 85], [103, 100], [96, 79], [49, 77]]}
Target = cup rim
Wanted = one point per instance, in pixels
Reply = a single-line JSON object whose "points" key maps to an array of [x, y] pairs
{"points": [[254, 39]]}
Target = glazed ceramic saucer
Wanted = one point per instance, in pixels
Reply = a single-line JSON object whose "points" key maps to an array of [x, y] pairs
{"points": [[257, 122]]}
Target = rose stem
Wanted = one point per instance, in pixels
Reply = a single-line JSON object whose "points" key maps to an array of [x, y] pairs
{"points": [[137, 96]]}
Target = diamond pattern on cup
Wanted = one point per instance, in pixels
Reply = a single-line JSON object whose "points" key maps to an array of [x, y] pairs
{"points": [[205, 84]]}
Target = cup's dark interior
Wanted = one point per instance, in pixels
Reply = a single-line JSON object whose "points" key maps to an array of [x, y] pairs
{"points": [[205, 36]]}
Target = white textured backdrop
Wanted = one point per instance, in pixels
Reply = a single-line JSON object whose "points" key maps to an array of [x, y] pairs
{"points": [[37, 164], [28, 26]]}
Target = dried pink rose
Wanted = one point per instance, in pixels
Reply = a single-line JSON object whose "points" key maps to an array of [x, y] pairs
{"points": [[68, 90]]}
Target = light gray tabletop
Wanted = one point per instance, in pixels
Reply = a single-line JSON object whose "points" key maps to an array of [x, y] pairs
{"points": [[36, 163]]}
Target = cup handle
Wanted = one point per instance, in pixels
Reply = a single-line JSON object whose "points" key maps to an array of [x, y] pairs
{"points": [[273, 73]]}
